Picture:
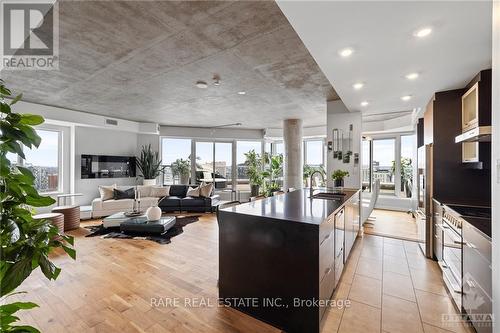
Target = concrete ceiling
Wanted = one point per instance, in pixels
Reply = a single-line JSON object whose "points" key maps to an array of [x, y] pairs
{"points": [[140, 61], [385, 50]]}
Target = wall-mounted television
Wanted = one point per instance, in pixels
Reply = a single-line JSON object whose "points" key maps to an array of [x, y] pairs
{"points": [[105, 166]]}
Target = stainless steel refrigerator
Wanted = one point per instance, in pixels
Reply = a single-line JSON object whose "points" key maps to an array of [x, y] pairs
{"points": [[424, 216]]}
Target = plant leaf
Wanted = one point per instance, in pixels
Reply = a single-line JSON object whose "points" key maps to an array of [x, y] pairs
{"points": [[16, 99], [31, 119], [70, 251]]}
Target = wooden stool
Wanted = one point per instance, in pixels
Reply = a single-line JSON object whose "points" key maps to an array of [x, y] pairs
{"points": [[56, 219], [71, 216]]}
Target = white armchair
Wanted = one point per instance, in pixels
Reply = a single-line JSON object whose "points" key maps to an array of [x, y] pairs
{"points": [[367, 207]]}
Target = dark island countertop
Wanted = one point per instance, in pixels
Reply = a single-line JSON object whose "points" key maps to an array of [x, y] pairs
{"points": [[296, 206]]}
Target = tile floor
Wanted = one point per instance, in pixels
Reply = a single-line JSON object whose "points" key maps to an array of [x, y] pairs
{"points": [[392, 288]]}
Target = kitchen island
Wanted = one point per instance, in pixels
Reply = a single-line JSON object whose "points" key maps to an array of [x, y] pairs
{"points": [[281, 258]]}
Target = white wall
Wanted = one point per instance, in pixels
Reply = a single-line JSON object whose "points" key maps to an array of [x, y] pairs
{"points": [[100, 141], [495, 186], [339, 117]]}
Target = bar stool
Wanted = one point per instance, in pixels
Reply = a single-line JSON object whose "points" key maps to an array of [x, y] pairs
{"points": [[71, 216], [56, 219]]}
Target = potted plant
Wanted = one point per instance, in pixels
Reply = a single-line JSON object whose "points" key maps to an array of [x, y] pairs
{"points": [[26, 241], [308, 171], [273, 170], [406, 175], [254, 172], [338, 177], [182, 169], [149, 164]]}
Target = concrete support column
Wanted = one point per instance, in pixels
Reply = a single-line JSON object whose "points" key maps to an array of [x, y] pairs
{"points": [[293, 159]]}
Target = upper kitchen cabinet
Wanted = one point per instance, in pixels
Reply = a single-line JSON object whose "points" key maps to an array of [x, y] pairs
{"points": [[476, 102], [476, 121]]}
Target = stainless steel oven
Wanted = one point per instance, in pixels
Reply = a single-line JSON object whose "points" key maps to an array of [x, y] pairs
{"points": [[451, 262]]}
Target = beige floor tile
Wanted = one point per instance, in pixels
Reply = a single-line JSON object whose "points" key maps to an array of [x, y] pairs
{"points": [[360, 318], [400, 316], [418, 261], [333, 315], [394, 250], [374, 241], [434, 310], [412, 247], [348, 275], [370, 267], [398, 285], [428, 280], [366, 290], [372, 252], [396, 265], [394, 241]]}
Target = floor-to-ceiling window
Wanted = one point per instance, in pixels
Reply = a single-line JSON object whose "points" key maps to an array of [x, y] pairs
{"points": [[313, 153], [384, 157], [44, 161], [178, 151], [243, 147], [224, 163], [408, 153], [391, 160], [366, 170]]}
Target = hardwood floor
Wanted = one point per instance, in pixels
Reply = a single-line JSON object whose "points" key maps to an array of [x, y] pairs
{"points": [[393, 224], [121, 285]]}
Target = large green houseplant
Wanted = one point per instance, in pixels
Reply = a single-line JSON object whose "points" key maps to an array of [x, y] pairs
{"points": [[25, 242], [149, 164], [272, 172], [182, 169], [254, 171]]}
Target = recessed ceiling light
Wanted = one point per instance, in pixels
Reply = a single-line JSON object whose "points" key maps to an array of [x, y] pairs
{"points": [[422, 32], [201, 84], [406, 98], [346, 52], [358, 85], [242, 92], [412, 76], [364, 103]]}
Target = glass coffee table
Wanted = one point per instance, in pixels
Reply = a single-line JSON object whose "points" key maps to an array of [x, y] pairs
{"points": [[139, 224]]}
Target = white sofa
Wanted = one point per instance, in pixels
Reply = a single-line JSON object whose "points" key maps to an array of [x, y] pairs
{"points": [[102, 208]]}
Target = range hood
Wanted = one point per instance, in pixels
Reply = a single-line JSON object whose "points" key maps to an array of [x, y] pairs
{"points": [[477, 134]]}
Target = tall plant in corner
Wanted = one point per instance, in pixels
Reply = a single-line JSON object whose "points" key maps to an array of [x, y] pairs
{"points": [[25, 242], [149, 164]]}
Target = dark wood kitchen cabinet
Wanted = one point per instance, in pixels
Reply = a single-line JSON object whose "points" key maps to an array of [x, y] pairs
{"points": [[285, 253]]}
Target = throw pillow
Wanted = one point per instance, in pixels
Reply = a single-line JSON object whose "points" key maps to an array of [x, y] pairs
{"points": [[127, 194], [193, 192], [206, 190], [145, 191], [106, 192], [160, 191]]}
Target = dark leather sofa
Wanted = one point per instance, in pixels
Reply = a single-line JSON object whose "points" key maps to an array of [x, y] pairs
{"points": [[178, 201]]}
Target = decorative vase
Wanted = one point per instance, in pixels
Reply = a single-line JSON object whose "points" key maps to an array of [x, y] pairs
{"points": [[184, 179], [153, 213], [149, 182], [339, 183]]}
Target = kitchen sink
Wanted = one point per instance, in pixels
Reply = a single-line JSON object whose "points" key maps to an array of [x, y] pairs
{"points": [[328, 196]]}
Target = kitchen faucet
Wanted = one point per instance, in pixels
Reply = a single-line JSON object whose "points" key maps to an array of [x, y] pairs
{"points": [[311, 189]]}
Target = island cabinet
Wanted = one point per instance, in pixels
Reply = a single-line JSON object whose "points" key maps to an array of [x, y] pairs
{"points": [[281, 258]]}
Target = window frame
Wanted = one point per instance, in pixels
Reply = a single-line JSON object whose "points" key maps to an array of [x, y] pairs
{"points": [[397, 156], [60, 156], [322, 140]]}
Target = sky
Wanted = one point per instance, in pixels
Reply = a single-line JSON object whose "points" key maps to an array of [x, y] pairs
{"points": [[47, 153]]}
